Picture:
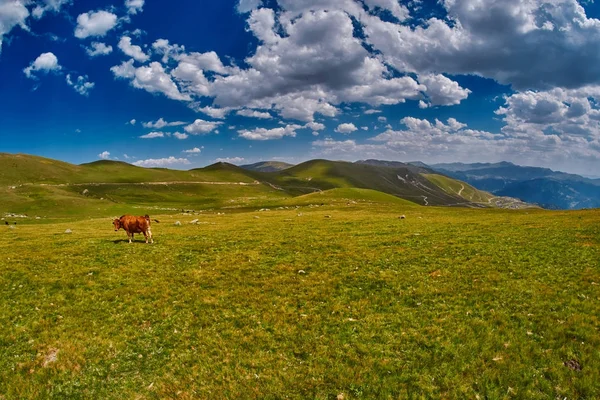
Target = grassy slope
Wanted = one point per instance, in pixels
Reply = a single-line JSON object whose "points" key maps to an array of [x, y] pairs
{"points": [[448, 303], [323, 174], [455, 187]]}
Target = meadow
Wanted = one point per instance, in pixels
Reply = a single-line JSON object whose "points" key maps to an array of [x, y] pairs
{"points": [[325, 296]]}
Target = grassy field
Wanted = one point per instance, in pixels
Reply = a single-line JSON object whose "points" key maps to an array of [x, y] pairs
{"points": [[309, 302]]}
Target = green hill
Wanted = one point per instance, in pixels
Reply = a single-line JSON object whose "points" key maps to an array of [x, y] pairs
{"points": [[404, 182], [31, 184], [267, 166], [456, 187]]}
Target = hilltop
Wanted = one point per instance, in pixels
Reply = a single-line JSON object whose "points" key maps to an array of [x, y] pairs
{"points": [[267, 166]]}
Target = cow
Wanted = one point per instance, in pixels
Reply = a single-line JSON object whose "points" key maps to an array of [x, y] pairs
{"points": [[132, 225]]}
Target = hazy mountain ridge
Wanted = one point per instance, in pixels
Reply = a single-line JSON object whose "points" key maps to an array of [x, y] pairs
{"points": [[542, 186]]}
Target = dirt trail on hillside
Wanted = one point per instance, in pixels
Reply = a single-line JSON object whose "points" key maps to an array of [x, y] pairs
{"points": [[142, 183]]}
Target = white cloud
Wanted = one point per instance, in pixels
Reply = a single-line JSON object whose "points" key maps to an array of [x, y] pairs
{"points": [[218, 113], [95, 23], [161, 123], [181, 136], [45, 63], [195, 150], [200, 126], [125, 71], [269, 134], [49, 5], [443, 91], [316, 65], [134, 6], [231, 160], [168, 51], [105, 155], [12, 13], [245, 6], [98, 49], [152, 78], [382, 119], [132, 122], [254, 114], [209, 61], [368, 112], [315, 126], [346, 128], [81, 84], [506, 40], [397, 10], [131, 50], [162, 162], [153, 135]]}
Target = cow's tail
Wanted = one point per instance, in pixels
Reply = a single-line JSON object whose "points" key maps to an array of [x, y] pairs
{"points": [[157, 221]]}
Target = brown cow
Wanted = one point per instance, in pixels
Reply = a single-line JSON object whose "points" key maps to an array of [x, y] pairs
{"points": [[133, 225]]}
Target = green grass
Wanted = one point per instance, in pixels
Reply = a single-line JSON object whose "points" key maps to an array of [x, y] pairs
{"points": [[454, 187], [447, 303]]}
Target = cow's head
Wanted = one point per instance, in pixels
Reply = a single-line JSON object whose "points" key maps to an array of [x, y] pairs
{"points": [[117, 224]]}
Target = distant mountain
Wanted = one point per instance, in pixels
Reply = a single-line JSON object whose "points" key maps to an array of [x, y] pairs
{"points": [[542, 186], [267, 166]]}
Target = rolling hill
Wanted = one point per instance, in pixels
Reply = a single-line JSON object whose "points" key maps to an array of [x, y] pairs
{"points": [[31, 184]]}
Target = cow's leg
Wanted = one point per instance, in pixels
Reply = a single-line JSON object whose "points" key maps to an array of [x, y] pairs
{"points": [[130, 236], [150, 235], [145, 236]]}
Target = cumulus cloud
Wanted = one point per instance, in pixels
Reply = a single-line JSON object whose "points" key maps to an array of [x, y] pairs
{"points": [[154, 135], [48, 5], [152, 78], [81, 85], [180, 136], [105, 155], [200, 127], [195, 150], [511, 41], [346, 128], [162, 162], [315, 126], [98, 49], [218, 113], [95, 24], [231, 160], [161, 123], [254, 114], [12, 13], [372, 111], [132, 50], [443, 91], [315, 66], [45, 63], [269, 134], [134, 6]]}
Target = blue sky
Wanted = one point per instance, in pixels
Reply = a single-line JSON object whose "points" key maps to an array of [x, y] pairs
{"points": [[184, 84]]}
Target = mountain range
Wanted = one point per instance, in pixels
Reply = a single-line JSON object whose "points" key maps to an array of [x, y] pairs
{"points": [[542, 186]]}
